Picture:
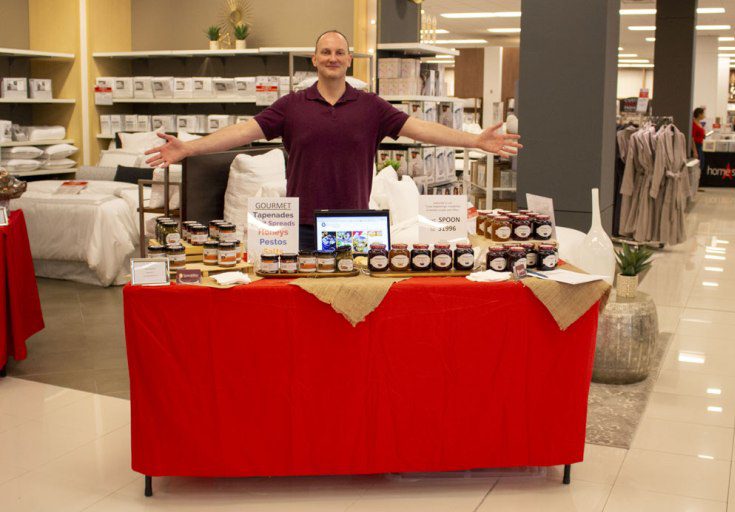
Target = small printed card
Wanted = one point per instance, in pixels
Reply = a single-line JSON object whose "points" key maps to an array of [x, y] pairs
{"points": [[149, 271], [3, 216], [71, 187], [519, 269], [189, 276]]}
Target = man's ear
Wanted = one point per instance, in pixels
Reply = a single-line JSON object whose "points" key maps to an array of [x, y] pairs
{"points": [[313, 60]]}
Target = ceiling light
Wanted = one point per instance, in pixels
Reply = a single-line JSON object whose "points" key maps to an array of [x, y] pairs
{"points": [[650, 39], [726, 38], [633, 61], [714, 408], [641, 28], [726, 48], [718, 250], [710, 10], [714, 257], [437, 31], [714, 391], [438, 61], [504, 30], [620, 48], [502, 14], [710, 284], [714, 27], [714, 269], [627, 55], [635, 65], [460, 41], [634, 12], [691, 357], [706, 457]]}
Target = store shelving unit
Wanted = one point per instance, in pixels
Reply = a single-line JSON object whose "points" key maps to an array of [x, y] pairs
{"points": [[20, 101], [182, 100], [438, 99], [33, 54], [417, 49], [35, 143]]}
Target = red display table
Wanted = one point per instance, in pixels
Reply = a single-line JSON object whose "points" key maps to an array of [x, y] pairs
{"points": [[20, 306], [265, 379]]}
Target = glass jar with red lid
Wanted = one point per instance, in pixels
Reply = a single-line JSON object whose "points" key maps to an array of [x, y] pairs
{"points": [[464, 257], [377, 258], [441, 257], [522, 228], [420, 258]]}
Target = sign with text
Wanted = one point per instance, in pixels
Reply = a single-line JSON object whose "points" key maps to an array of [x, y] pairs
{"points": [[273, 226], [642, 105], [442, 218], [149, 272], [719, 170], [544, 206]]}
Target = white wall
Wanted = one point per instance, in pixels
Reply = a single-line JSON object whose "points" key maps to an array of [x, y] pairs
{"points": [[705, 77], [631, 80], [492, 82]]}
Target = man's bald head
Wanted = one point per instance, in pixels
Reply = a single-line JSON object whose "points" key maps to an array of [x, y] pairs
{"points": [[337, 32]]}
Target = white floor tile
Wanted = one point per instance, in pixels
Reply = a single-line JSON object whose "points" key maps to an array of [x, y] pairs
{"points": [[31, 400], [601, 465], [668, 317], [706, 385], [684, 438], [700, 355], [690, 409], [96, 415], [34, 493], [536, 494], [700, 316], [630, 499]]}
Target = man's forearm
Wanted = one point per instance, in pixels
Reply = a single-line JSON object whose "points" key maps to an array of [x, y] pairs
{"points": [[435, 133], [232, 136]]}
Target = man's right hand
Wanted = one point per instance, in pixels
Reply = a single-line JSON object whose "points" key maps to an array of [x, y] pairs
{"points": [[173, 151]]}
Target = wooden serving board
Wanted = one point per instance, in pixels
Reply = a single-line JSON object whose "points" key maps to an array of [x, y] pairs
{"points": [[209, 270], [313, 275], [428, 273]]}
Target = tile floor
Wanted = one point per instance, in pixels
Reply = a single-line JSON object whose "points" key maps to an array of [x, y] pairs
{"points": [[65, 432]]}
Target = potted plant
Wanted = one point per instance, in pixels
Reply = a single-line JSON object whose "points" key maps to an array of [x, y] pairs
{"points": [[631, 263], [241, 33], [213, 34]]}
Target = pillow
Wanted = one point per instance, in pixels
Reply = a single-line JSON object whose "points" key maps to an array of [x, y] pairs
{"points": [[248, 174], [272, 189], [186, 136], [59, 163], [140, 142], [132, 174], [403, 199], [174, 176], [22, 152], [39, 133], [113, 158], [20, 165], [59, 151]]}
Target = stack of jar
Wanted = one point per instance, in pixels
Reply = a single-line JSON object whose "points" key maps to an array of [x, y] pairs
{"points": [[502, 258], [420, 258], [306, 261], [504, 226]]}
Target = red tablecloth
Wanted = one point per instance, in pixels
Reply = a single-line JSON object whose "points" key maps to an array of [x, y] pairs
{"points": [[20, 307], [265, 379]]}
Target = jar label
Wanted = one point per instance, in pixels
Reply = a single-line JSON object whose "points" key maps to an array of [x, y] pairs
{"points": [[498, 264], [399, 261], [288, 267], [422, 260], [502, 232], [544, 231], [346, 265], [466, 260], [228, 237], [198, 238], [443, 261], [523, 231], [549, 261], [307, 264], [177, 258], [532, 259], [379, 262], [226, 257], [325, 264], [269, 267], [173, 238]]}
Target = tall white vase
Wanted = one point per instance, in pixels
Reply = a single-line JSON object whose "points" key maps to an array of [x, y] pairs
{"points": [[596, 254]]}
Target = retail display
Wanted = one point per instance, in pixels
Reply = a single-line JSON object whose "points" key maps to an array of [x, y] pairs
{"points": [[14, 88], [521, 228], [227, 254], [531, 254], [269, 264], [496, 258], [307, 261], [288, 263], [548, 257], [464, 257], [156, 251], [501, 228], [542, 228], [326, 261]]}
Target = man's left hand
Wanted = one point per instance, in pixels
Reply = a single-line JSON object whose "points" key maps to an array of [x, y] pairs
{"points": [[493, 140]]}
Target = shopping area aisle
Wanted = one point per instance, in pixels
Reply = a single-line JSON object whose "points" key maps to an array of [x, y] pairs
{"points": [[69, 450]]}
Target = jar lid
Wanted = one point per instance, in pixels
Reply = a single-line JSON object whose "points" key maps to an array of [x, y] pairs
{"points": [[377, 246], [543, 217], [522, 217], [464, 246], [267, 257], [399, 246], [216, 221], [226, 225], [288, 256], [420, 246], [175, 247], [211, 243], [517, 249], [546, 247], [306, 252], [170, 223], [156, 248], [502, 217], [496, 248], [227, 245], [527, 245], [344, 248], [442, 245], [190, 223]]}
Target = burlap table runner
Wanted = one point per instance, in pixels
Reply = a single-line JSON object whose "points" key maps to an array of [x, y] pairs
{"points": [[353, 297]]}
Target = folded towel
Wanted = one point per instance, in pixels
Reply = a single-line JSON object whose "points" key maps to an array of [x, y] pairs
{"points": [[489, 276], [230, 278]]}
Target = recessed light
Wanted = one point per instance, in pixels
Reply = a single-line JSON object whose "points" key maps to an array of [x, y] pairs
{"points": [[714, 408], [711, 284], [714, 257], [504, 30], [705, 457], [627, 55], [690, 357], [726, 54], [438, 61], [633, 61], [714, 27], [714, 391], [726, 38], [650, 39], [635, 12], [460, 41], [468, 15], [641, 28], [718, 250], [714, 269], [710, 10], [443, 57]]}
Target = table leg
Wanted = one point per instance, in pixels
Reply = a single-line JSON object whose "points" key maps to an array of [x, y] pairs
{"points": [[4, 371], [567, 474], [148, 486]]}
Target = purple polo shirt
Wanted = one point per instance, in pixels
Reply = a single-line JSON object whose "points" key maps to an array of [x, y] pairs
{"points": [[331, 149]]}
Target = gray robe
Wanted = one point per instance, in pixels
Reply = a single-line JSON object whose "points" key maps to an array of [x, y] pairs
{"points": [[636, 213], [670, 186]]}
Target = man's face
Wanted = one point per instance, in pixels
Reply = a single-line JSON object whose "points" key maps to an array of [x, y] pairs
{"points": [[332, 57]]}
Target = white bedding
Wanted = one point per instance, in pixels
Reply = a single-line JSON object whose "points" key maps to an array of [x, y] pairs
{"points": [[99, 226]]}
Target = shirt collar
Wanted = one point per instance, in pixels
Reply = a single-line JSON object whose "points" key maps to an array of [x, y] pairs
{"points": [[350, 94]]}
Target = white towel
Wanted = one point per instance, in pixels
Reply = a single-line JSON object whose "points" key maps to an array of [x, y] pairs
{"points": [[489, 276], [228, 278]]}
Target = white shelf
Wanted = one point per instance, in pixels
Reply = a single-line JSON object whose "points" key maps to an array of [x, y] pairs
{"points": [[181, 100], [504, 189], [32, 100], [421, 98], [175, 53], [45, 172], [35, 143], [16, 52], [418, 49]]}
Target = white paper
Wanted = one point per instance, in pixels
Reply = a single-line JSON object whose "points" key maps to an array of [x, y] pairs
{"points": [[149, 271], [568, 277], [3, 216], [442, 218], [544, 206], [273, 226], [489, 276]]}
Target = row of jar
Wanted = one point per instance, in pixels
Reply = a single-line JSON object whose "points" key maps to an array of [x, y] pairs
{"points": [[223, 254], [306, 261], [193, 232], [504, 226], [503, 258], [421, 258]]}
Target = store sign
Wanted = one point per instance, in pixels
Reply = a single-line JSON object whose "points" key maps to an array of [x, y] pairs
{"points": [[149, 271], [443, 218], [3, 216], [102, 95], [544, 206], [273, 226], [642, 105], [720, 170]]}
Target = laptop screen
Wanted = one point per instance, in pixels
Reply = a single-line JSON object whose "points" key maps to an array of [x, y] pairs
{"points": [[355, 228]]}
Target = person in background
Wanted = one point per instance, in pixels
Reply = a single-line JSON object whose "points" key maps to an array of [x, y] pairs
{"points": [[698, 134]]}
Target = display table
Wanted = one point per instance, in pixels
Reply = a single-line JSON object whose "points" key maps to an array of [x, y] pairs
{"points": [[265, 379], [20, 306], [718, 169]]}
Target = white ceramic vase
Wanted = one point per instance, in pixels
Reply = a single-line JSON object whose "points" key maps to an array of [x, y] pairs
{"points": [[511, 123], [240, 44], [595, 253], [214, 45]]}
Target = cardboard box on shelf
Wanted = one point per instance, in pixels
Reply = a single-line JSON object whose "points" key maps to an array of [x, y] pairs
{"points": [[429, 156], [429, 110], [192, 123], [389, 68], [266, 90], [415, 109], [202, 87], [217, 121], [415, 162], [381, 157], [144, 123], [458, 111], [183, 87], [105, 129], [496, 177], [163, 86], [122, 87], [284, 86], [130, 123], [245, 87], [446, 114], [401, 156], [40, 88], [388, 86], [143, 87], [505, 205], [224, 87], [440, 174], [167, 122], [410, 68], [408, 86], [428, 77], [116, 124], [451, 158], [15, 88], [243, 119], [105, 81]]}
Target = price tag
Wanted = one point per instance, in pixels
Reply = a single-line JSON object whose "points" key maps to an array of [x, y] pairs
{"points": [[102, 95], [519, 269], [442, 218], [149, 271], [3, 216], [273, 226]]}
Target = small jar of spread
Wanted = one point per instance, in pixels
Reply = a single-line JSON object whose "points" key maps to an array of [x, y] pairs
{"points": [[531, 254], [227, 232], [488, 228], [186, 229], [542, 228], [269, 263], [480, 222], [501, 229], [325, 262], [496, 259], [209, 252], [464, 257], [400, 258], [547, 257], [420, 258], [170, 232], [159, 227], [156, 251], [227, 254], [307, 261], [176, 255], [522, 228], [214, 228], [441, 257], [239, 251], [345, 263], [198, 234], [289, 263], [377, 258], [516, 254]]}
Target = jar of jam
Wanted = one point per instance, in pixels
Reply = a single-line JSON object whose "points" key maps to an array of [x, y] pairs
{"points": [[488, 228], [542, 228], [531, 254], [226, 254], [464, 257], [170, 232], [198, 234], [547, 257], [209, 252], [441, 257], [516, 254], [400, 258], [269, 263], [501, 229], [156, 251], [522, 228], [496, 259], [345, 263], [289, 263], [378, 258], [307, 261], [326, 262], [214, 228], [420, 258], [176, 255], [227, 232], [186, 229], [480, 222]]}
